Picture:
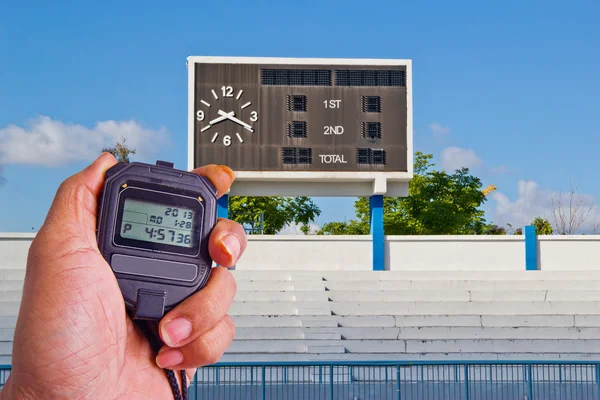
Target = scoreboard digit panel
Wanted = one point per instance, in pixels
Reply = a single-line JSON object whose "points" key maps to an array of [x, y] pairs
{"points": [[300, 117]]}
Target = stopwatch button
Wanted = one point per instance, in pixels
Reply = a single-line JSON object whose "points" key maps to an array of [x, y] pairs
{"points": [[167, 164]]}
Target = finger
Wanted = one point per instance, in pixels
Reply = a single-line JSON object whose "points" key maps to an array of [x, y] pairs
{"points": [[76, 198], [72, 215], [227, 242], [204, 350], [220, 176], [200, 312]]}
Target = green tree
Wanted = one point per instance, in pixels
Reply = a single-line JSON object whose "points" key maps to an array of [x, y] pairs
{"points": [[121, 151], [438, 203], [268, 215], [542, 226], [352, 227], [493, 229]]}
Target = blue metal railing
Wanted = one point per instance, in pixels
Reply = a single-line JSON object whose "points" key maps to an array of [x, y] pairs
{"points": [[394, 380]]}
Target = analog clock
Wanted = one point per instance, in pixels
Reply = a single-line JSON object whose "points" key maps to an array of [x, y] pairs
{"points": [[225, 116]]}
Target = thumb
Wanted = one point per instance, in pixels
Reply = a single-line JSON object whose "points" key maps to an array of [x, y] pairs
{"points": [[74, 209]]}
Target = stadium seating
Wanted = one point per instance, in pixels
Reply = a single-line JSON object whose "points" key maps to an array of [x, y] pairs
{"points": [[414, 315], [443, 315]]}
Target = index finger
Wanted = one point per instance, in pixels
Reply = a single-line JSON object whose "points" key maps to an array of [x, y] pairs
{"points": [[220, 176]]}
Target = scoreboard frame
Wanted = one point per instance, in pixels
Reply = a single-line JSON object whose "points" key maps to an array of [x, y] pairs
{"points": [[310, 183]]}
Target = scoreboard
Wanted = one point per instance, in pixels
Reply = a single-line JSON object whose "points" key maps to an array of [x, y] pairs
{"points": [[297, 118]]}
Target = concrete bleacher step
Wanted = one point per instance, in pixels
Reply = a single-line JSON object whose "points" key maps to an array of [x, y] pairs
{"points": [[9, 308], [11, 285], [441, 275], [8, 321], [500, 346], [437, 333], [287, 334], [6, 348], [550, 320], [283, 321], [466, 308], [417, 333], [481, 285], [315, 322], [243, 295], [314, 335], [325, 349], [10, 294], [465, 295], [277, 286], [13, 274], [280, 308], [7, 334], [268, 357]]}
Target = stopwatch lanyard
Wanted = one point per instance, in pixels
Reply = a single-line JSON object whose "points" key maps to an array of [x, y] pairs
{"points": [[150, 330]]}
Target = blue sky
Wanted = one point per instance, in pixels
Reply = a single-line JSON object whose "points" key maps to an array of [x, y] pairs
{"points": [[510, 89]]}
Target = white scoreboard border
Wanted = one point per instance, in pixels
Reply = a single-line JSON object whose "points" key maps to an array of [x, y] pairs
{"points": [[314, 183]]}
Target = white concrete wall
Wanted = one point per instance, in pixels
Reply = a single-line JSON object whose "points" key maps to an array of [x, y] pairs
{"points": [[478, 253], [580, 252], [291, 252], [403, 253]]}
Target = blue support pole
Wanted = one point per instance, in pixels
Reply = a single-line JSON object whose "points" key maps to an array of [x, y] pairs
{"points": [[376, 215], [531, 255], [223, 206]]}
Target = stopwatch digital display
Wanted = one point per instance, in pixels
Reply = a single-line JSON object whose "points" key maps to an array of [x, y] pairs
{"points": [[153, 228], [153, 222]]}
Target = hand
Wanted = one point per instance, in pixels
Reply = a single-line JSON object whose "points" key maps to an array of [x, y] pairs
{"points": [[223, 117], [237, 121], [73, 338]]}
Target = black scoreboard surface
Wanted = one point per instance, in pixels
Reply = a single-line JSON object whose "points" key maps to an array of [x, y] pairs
{"points": [[262, 116]]}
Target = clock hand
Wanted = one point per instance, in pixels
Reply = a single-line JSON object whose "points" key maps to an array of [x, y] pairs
{"points": [[223, 116], [237, 121]]}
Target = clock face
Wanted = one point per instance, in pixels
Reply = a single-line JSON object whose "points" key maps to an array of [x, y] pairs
{"points": [[227, 116]]}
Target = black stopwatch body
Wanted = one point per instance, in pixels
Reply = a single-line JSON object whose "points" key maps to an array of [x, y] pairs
{"points": [[154, 223]]}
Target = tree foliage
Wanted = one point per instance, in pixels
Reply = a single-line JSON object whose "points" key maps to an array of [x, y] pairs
{"points": [[493, 229], [268, 215], [439, 203], [121, 151], [352, 227], [542, 226]]}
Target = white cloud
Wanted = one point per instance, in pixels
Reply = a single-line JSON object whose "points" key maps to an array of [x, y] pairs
{"points": [[500, 170], [439, 131], [294, 229], [44, 141], [454, 158], [534, 201]]}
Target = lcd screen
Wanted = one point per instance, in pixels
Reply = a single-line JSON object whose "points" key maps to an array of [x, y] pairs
{"points": [[157, 223]]}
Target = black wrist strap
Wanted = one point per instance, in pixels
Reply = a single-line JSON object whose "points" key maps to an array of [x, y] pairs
{"points": [[149, 311]]}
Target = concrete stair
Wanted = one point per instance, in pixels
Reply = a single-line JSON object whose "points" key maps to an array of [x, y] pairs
{"points": [[465, 315], [337, 315]]}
